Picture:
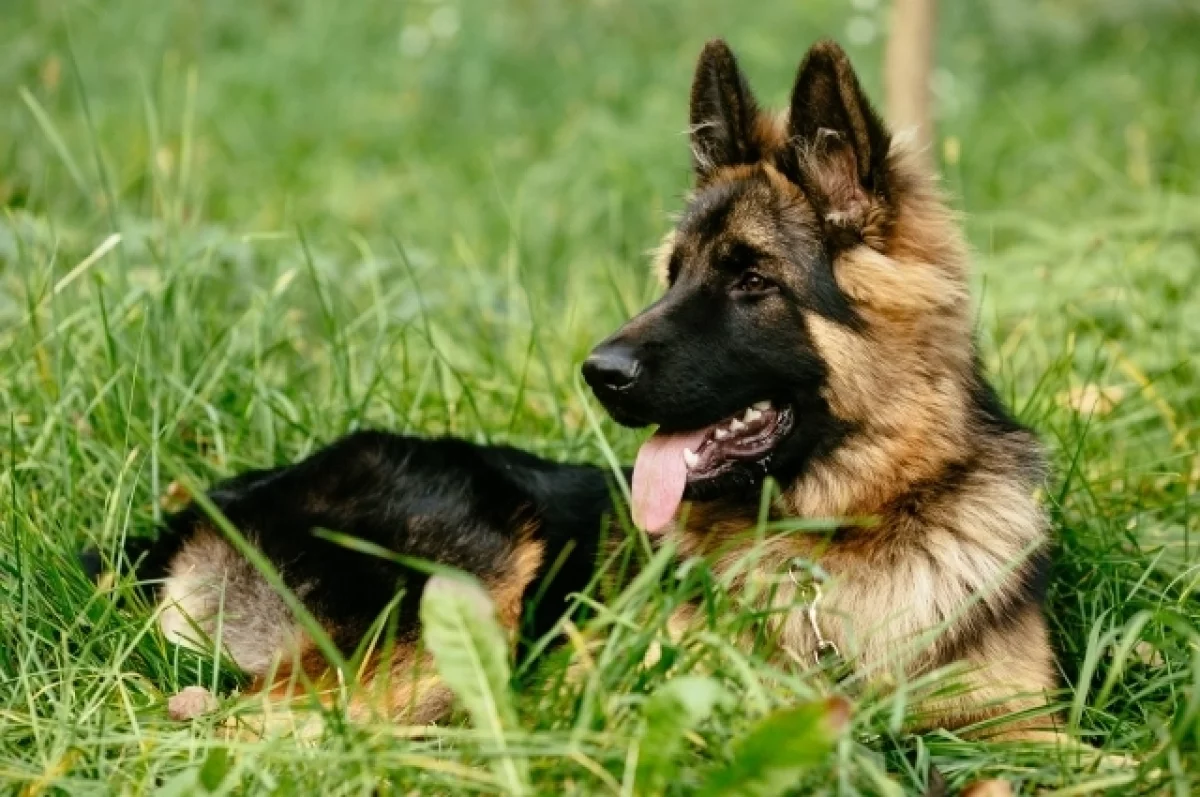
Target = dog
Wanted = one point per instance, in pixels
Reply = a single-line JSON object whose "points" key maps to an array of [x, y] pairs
{"points": [[816, 329], [814, 333]]}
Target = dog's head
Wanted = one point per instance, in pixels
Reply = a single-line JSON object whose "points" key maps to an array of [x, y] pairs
{"points": [[785, 280]]}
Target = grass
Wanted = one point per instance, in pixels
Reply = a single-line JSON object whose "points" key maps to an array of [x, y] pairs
{"points": [[420, 216]]}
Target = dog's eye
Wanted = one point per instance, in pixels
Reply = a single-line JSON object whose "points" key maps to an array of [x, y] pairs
{"points": [[753, 282]]}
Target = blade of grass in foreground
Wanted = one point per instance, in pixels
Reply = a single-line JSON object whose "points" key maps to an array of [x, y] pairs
{"points": [[773, 756], [468, 646], [669, 714]]}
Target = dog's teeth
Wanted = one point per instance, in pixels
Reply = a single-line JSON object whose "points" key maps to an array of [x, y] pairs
{"points": [[736, 426], [690, 458], [762, 405], [751, 415], [721, 434]]}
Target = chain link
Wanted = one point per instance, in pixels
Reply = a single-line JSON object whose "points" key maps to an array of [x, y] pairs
{"points": [[826, 648]]}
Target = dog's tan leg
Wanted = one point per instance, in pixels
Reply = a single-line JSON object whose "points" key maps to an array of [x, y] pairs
{"points": [[1011, 671]]}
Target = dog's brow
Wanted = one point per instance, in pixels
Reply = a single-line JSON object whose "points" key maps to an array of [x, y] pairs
{"points": [[709, 211], [737, 256]]}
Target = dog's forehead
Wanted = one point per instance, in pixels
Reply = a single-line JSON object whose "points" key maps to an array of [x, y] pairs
{"points": [[748, 209]]}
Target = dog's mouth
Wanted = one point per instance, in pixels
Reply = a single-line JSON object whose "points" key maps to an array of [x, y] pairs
{"points": [[669, 463]]}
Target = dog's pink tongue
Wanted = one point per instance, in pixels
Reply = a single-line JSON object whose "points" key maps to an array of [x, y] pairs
{"points": [[659, 476]]}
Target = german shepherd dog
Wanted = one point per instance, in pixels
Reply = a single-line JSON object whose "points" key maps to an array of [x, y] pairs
{"points": [[815, 329]]}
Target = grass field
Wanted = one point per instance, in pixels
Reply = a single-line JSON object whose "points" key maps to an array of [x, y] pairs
{"points": [[420, 216]]}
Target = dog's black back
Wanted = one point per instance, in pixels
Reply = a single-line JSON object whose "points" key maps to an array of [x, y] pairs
{"points": [[490, 511]]}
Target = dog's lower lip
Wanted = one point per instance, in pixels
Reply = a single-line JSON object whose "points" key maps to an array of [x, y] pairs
{"points": [[719, 453]]}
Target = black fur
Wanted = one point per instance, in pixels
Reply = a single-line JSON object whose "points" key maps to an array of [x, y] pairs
{"points": [[723, 112], [707, 350]]}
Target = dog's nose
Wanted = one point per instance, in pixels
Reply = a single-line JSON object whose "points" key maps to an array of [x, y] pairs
{"points": [[612, 367]]}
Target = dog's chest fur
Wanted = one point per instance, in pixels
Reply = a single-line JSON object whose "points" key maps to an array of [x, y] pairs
{"points": [[935, 577]]}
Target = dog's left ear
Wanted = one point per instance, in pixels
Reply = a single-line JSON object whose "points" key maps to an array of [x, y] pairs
{"points": [[839, 145], [723, 113]]}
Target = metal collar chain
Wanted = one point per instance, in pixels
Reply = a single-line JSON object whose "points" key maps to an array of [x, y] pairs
{"points": [[826, 652]]}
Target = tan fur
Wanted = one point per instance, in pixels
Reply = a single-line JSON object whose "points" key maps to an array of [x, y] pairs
{"points": [[523, 565], [212, 593], [660, 257], [406, 689], [1008, 672]]}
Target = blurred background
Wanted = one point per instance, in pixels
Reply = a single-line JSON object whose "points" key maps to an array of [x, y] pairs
{"points": [[493, 173], [495, 167]]}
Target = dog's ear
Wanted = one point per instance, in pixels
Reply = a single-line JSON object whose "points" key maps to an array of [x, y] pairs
{"points": [[723, 113], [839, 145]]}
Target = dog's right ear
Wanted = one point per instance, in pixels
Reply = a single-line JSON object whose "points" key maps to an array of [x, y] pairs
{"points": [[839, 144], [723, 113]]}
